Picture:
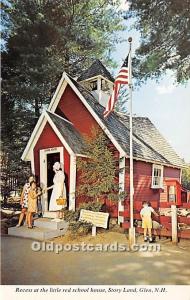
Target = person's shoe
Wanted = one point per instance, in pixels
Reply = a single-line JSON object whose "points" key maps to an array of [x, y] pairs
{"points": [[18, 225], [152, 239], [145, 239]]}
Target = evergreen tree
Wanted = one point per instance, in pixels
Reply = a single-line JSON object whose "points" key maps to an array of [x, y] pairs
{"points": [[186, 178], [47, 37], [97, 172], [41, 39], [165, 37]]}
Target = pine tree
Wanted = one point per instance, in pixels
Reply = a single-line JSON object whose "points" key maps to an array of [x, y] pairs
{"points": [[165, 37], [41, 39], [48, 37], [98, 172], [186, 178]]}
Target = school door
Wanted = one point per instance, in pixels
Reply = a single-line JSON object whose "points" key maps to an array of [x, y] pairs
{"points": [[47, 159]]}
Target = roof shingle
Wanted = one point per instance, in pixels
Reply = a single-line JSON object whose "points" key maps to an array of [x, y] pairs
{"points": [[69, 133], [97, 68], [148, 143]]}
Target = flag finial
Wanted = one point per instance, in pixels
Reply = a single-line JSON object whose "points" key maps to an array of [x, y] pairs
{"points": [[130, 39]]}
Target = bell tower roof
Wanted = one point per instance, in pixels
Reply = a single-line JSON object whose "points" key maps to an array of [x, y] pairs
{"points": [[97, 68]]}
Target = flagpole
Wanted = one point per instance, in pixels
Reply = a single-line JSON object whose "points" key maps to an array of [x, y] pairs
{"points": [[132, 228]]}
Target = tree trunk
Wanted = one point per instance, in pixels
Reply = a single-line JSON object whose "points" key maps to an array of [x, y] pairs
{"points": [[36, 110]]}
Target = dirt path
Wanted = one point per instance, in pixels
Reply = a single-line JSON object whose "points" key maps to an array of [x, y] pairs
{"points": [[20, 265]]}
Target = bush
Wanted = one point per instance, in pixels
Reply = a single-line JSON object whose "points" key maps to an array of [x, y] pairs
{"points": [[93, 206], [80, 227], [71, 216]]}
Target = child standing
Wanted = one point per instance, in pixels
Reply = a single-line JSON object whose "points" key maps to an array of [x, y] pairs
{"points": [[32, 202], [146, 215], [24, 201]]}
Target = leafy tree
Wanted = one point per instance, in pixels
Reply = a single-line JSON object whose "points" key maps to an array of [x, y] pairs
{"points": [[41, 39], [165, 37], [48, 37], [186, 178], [97, 173]]}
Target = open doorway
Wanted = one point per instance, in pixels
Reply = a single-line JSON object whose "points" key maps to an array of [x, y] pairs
{"points": [[51, 159], [48, 157]]}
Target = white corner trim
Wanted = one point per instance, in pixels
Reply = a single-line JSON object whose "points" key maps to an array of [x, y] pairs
{"points": [[122, 169], [60, 117], [72, 184], [58, 93], [81, 155], [32, 163], [26, 156], [180, 176]]}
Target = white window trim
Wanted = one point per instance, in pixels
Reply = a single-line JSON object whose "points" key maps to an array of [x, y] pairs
{"points": [[160, 167]]}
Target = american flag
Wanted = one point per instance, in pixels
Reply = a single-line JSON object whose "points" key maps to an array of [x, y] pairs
{"points": [[122, 78]]}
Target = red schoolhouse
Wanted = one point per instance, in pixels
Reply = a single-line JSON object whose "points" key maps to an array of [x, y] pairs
{"points": [[75, 108]]}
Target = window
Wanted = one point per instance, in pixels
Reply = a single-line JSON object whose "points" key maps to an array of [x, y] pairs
{"points": [[93, 85], [157, 176], [171, 193], [104, 85]]}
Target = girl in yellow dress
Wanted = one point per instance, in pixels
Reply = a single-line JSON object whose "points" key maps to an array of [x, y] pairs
{"points": [[32, 202]]}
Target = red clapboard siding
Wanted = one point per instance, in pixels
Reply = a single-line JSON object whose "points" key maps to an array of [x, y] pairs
{"points": [[171, 173], [76, 112], [183, 220], [186, 205], [143, 181], [48, 139], [185, 234], [164, 232], [138, 205], [165, 204], [164, 219]]}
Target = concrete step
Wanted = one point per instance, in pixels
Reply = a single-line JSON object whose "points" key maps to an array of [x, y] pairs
{"points": [[36, 233], [49, 214], [49, 223]]}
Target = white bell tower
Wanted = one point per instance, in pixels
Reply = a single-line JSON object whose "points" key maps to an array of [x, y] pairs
{"points": [[99, 81]]}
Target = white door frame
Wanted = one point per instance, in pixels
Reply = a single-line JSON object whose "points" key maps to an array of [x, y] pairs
{"points": [[43, 171]]}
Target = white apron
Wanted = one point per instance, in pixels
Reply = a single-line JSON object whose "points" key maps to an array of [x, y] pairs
{"points": [[59, 190]]}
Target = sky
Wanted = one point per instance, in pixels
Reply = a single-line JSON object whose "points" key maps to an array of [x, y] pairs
{"points": [[167, 105]]}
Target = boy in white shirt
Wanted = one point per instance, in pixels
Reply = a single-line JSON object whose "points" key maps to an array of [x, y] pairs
{"points": [[146, 215]]}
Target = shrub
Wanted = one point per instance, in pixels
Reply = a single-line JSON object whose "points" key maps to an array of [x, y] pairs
{"points": [[80, 227], [92, 205]]}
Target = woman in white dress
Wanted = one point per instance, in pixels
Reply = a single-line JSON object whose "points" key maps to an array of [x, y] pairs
{"points": [[59, 191]]}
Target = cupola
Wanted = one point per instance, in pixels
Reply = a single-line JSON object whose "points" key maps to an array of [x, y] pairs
{"points": [[99, 81]]}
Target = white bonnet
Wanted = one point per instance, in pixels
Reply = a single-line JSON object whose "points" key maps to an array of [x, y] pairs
{"points": [[56, 166]]}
